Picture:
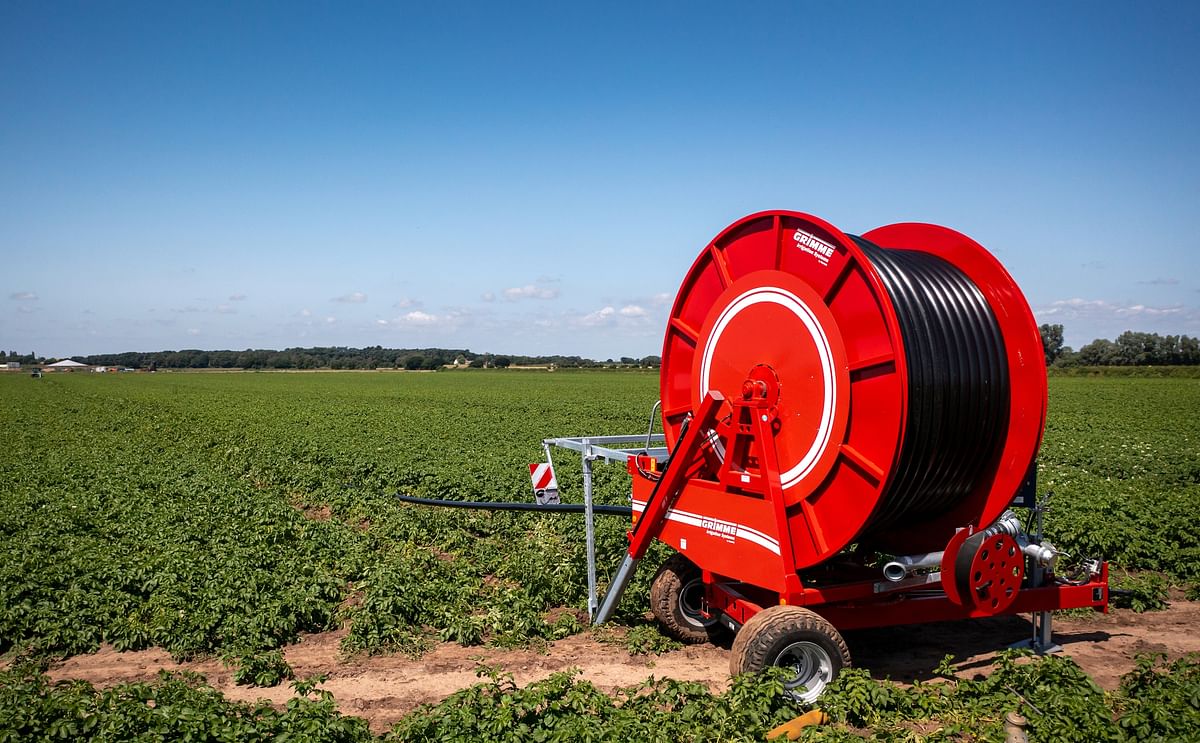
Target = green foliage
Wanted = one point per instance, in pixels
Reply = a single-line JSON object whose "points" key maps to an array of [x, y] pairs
{"points": [[1144, 592], [227, 514], [1122, 457], [564, 708], [1061, 704], [1140, 349], [1155, 702], [329, 357], [216, 513], [175, 707], [1126, 372], [1052, 341], [210, 514], [648, 639], [1161, 701], [261, 669], [644, 638]]}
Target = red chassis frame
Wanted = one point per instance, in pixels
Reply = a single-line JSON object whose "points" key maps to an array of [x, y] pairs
{"points": [[728, 515]]}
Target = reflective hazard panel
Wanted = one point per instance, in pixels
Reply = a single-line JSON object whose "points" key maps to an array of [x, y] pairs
{"points": [[545, 485]]}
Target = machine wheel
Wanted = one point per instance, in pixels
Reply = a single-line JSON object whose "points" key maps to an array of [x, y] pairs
{"points": [[676, 596], [791, 637]]}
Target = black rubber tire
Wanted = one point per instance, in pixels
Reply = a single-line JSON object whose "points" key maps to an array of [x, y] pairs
{"points": [[670, 605], [776, 629]]}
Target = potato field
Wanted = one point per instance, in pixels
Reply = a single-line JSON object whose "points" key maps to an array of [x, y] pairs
{"points": [[226, 514]]}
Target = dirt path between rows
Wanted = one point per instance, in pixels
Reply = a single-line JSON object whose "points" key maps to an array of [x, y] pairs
{"points": [[384, 689]]}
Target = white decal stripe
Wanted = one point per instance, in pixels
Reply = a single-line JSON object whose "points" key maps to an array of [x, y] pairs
{"points": [[791, 302], [693, 519], [762, 541]]}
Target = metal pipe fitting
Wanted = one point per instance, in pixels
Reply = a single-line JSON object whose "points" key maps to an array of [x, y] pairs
{"points": [[1008, 523], [1014, 728], [1043, 554], [901, 567]]}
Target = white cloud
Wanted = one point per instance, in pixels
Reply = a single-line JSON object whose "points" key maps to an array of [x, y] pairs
{"points": [[23, 296], [1084, 320], [633, 319], [193, 331], [599, 317], [417, 317], [330, 320], [662, 299], [1079, 307], [351, 298], [237, 297], [530, 291], [488, 297], [306, 312], [225, 309], [450, 319], [405, 303]]}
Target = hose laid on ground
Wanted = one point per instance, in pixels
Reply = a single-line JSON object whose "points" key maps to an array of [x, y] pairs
{"points": [[625, 511]]}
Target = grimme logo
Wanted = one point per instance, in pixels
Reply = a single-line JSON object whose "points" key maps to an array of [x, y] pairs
{"points": [[814, 246], [724, 529]]}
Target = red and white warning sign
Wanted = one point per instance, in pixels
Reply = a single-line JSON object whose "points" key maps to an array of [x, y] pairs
{"points": [[545, 485]]}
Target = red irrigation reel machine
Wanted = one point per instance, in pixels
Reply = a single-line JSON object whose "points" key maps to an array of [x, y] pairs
{"points": [[828, 399]]}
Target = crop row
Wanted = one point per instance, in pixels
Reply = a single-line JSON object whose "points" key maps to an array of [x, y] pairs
{"points": [[1155, 702], [228, 513]]}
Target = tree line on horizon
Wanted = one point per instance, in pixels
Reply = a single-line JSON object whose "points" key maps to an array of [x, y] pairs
{"points": [[1129, 349], [330, 357]]}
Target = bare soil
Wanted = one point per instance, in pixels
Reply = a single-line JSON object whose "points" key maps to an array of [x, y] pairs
{"points": [[383, 689]]}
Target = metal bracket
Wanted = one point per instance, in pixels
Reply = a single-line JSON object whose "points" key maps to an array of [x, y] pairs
{"points": [[601, 449], [1042, 642]]}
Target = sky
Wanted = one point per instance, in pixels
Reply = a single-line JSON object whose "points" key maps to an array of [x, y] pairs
{"points": [[537, 178]]}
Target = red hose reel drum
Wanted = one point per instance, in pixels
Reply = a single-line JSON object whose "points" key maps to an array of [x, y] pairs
{"points": [[792, 292]]}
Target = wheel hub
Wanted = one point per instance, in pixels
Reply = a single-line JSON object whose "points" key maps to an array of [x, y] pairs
{"points": [[813, 668], [691, 602]]}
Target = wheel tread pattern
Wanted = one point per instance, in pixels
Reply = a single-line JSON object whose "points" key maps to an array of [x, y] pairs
{"points": [[772, 628], [674, 574]]}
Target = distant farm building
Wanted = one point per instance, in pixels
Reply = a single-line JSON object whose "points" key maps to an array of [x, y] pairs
{"points": [[65, 365]]}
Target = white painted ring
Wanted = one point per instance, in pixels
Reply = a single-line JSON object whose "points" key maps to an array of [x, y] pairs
{"points": [[796, 306]]}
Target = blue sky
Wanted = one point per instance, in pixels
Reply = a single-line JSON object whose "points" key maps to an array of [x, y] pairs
{"points": [[537, 178]]}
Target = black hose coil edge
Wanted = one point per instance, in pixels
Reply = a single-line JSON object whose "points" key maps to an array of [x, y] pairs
{"points": [[958, 387]]}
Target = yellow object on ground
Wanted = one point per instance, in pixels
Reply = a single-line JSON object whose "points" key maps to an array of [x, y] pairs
{"points": [[792, 728]]}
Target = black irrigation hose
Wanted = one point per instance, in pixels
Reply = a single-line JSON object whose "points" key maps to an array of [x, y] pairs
{"points": [[625, 511], [958, 388]]}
